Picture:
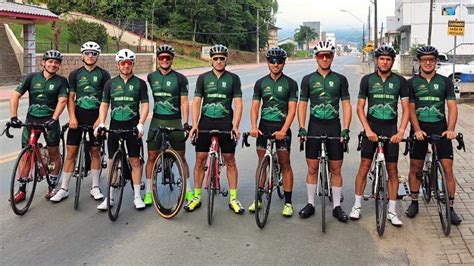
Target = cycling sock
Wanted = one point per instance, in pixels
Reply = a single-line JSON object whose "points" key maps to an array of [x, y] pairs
{"points": [[188, 186], [149, 185], [311, 191], [288, 197], [392, 206], [136, 189], [414, 195], [336, 196], [95, 177], [233, 194], [66, 179], [197, 193], [358, 201]]}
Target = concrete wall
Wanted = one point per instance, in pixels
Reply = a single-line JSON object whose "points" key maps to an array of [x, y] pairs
{"points": [[16, 46], [406, 64]]}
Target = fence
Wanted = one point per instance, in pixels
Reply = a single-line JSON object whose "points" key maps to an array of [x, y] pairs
{"points": [[71, 48]]}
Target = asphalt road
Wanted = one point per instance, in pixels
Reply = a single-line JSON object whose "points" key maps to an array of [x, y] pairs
{"points": [[56, 234]]}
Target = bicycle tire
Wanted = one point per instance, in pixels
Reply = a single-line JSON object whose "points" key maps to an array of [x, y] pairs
{"points": [[80, 161], [442, 199], [32, 178], [381, 199], [174, 186], [426, 186], [62, 152], [322, 192], [118, 184], [263, 191], [280, 190], [211, 190]]}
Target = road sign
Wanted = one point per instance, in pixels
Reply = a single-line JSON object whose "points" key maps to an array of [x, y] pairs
{"points": [[456, 27]]}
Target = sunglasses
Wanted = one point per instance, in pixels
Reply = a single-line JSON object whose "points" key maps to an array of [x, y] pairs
{"points": [[165, 57], [218, 58], [278, 61], [88, 53], [429, 59], [126, 63], [321, 56]]}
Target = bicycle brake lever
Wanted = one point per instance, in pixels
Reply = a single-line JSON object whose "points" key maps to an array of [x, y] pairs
{"points": [[302, 146]]}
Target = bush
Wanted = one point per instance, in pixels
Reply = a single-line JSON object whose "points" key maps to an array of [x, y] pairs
{"points": [[195, 54], [81, 31], [180, 50], [289, 48]]}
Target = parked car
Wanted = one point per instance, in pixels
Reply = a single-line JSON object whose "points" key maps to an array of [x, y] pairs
{"points": [[462, 70], [442, 60]]}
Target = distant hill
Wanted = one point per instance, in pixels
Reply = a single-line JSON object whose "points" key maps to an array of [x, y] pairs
{"points": [[343, 36]]}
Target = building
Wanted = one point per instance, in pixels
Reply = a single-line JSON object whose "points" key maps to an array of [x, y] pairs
{"points": [[287, 40], [316, 26], [272, 36], [412, 17], [328, 36]]}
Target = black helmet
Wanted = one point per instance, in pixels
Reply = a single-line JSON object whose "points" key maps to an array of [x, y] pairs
{"points": [[53, 54], [385, 50], [276, 52], [426, 50], [165, 48], [218, 49]]}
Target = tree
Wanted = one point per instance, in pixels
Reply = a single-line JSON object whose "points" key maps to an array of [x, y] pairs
{"points": [[289, 48], [305, 35]]}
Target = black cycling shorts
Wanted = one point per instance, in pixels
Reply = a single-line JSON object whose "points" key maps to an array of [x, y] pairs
{"points": [[268, 127], [84, 117], [444, 148], [330, 127], [381, 128], [133, 144], [203, 141]]}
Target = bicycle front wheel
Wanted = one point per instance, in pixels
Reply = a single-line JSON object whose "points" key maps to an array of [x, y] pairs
{"points": [[23, 180], [381, 198], [169, 184], [263, 191], [442, 198], [323, 179], [211, 189], [426, 185], [80, 161], [115, 186]]}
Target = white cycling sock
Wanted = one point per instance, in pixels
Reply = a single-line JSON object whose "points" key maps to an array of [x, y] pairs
{"points": [[311, 190], [149, 185], [136, 189], [66, 179], [392, 206], [95, 177], [336, 196], [358, 201]]}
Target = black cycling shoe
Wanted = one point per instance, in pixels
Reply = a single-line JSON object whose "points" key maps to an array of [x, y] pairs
{"points": [[412, 210], [340, 214], [307, 211], [455, 220]]}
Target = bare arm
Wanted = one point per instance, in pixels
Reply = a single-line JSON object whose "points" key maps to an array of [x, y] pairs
{"points": [[196, 110], [62, 102], [405, 116], [144, 108], [103, 110], [346, 113], [302, 107], [185, 108], [71, 107], [290, 117], [363, 120], [452, 119], [238, 107], [14, 101]]}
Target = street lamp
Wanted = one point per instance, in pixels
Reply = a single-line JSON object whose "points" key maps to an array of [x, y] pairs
{"points": [[363, 28], [258, 33]]}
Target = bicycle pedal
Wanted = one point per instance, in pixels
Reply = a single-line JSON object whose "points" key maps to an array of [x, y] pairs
{"points": [[367, 197], [224, 193], [142, 185]]}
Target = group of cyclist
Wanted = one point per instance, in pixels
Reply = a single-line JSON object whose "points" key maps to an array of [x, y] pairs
{"points": [[217, 105]]}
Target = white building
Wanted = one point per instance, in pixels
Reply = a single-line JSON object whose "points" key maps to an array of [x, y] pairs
{"points": [[412, 18], [328, 36]]}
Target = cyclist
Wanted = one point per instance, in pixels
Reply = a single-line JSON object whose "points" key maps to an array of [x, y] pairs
{"points": [[276, 93], [428, 94], [47, 93], [86, 86], [170, 93], [127, 96], [381, 91], [215, 91], [325, 89]]}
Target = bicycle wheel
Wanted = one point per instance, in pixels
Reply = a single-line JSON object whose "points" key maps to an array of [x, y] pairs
{"points": [[426, 186], [280, 191], [115, 186], [442, 198], [24, 175], [62, 151], [263, 192], [322, 191], [381, 198], [169, 184], [80, 161], [211, 190]]}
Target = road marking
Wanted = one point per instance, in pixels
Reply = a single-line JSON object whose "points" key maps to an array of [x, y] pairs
{"points": [[468, 106], [8, 157]]}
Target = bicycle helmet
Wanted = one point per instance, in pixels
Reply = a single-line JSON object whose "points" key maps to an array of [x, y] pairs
{"points": [[218, 49], [90, 46], [53, 54], [426, 50], [125, 54], [276, 52], [385, 50], [165, 48], [324, 46]]}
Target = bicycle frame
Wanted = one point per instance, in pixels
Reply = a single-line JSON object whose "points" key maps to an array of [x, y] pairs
{"points": [[216, 151], [379, 157], [33, 141]]}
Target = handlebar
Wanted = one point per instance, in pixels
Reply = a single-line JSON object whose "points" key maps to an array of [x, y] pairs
{"points": [[167, 130], [434, 137], [213, 132], [8, 125], [324, 137], [270, 136], [382, 138]]}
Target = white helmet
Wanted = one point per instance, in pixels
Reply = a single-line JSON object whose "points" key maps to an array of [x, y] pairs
{"points": [[324, 46], [90, 46], [125, 54]]}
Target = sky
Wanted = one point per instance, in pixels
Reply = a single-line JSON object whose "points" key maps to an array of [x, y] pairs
{"points": [[292, 13]]}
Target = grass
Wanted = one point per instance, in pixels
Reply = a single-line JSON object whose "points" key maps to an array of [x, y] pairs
{"points": [[181, 62]]}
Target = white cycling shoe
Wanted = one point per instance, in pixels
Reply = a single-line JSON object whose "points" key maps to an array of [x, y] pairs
{"points": [[139, 204], [96, 193], [355, 213], [393, 218], [103, 205], [60, 195]]}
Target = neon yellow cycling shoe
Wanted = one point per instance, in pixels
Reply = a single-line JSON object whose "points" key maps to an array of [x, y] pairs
{"points": [[189, 196], [148, 199], [236, 206], [252, 207], [195, 203], [287, 210]]}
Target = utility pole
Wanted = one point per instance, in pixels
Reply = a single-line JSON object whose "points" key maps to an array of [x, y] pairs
{"points": [[375, 25], [368, 25], [430, 23], [258, 38], [381, 34]]}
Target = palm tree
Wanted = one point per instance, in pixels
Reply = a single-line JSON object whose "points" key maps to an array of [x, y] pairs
{"points": [[305, 34]]}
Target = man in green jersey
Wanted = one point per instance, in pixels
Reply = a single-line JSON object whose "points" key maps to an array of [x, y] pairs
{"points": [[276, 93], [126, 94], [325, 89], [47, 93], [171, 108], [212, 110], [380, 91], [429, 93], [86, 87]]}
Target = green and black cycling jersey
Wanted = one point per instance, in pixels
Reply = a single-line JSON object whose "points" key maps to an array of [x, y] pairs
{"points": [[43, 93], [429, 97], [382, 96], [275, 95], [125, 98], [217, 93], [324, 94], [167, 91], [88, 86]]}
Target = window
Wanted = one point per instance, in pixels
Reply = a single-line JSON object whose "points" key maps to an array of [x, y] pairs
{"points": [[470, 10], [448, 11]]}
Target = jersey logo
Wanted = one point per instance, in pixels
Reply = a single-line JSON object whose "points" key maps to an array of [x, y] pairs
{"points": [[224, 84], [130, 87], [211, 84], [331, 83], [436, 86], [168, 83], [390, 85], [156, 83], [86, 88], [267, 89], [38, 85], [280, 88], [377, 84], [119, 87], [318, 84], [83, 78], [51, 87], [422, 86], [95, 78]]}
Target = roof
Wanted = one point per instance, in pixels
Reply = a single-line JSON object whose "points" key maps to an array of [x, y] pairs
{"points": [[26, 12]]}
